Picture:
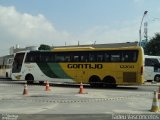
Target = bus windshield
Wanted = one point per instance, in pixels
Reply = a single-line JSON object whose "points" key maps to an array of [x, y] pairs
{"points": [[17, 64]]}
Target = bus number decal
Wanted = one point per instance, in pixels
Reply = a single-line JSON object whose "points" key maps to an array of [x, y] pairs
{"points": [[126, 66], [85, 66]]}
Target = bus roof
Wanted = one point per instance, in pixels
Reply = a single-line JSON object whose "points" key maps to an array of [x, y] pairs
{"points": [[68, 49], [151, 56], [92, 48]]}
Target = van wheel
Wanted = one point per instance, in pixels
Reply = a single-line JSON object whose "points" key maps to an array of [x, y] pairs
{"points": [[157, 78], [29, 78]]}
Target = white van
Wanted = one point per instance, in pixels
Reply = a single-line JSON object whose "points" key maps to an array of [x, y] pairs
{"points": [[152, 68]]}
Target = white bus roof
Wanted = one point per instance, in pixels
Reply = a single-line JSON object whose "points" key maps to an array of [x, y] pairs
{"points": [[150, 56]]}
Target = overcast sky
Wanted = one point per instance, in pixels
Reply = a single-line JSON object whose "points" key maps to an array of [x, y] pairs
{"points": [[56, 22]]}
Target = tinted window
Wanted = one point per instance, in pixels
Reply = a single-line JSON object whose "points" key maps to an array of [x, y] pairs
{"points": [[17, 64], [40, 57], [151, 61], [84, 56]]}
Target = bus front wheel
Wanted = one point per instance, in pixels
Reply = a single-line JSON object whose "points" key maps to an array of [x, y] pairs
{"points": [[29, 78]]}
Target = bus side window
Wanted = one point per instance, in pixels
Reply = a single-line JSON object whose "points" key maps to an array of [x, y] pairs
{"points": [[125, 58], [47, 58], [67, 59], [32, 58], [59, 58], [91, 58], [99, 58], [135, 57], [76, 58], [107, 57], [115, 58], [84, 58], [129, 56]]}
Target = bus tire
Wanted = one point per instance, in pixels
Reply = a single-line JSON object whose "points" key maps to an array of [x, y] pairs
{"points": [[95, 81], [157, 78], [29, 78], [109, 82]]}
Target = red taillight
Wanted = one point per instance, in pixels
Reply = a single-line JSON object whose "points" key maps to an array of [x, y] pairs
{"points": [[142, 70]]}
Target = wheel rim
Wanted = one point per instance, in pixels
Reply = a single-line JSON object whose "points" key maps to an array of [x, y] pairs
{"points": [[157, 78]]}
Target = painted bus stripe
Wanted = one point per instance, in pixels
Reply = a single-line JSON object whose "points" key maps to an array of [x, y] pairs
{"points": [[47, 70], [58, 70]]}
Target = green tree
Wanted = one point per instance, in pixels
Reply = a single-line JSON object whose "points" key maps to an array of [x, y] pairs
{"points": [[44, 47], [153, 46]]}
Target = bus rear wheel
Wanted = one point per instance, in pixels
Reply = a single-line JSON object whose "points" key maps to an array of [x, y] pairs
{"points": [[109, 82], [29, 78], [95, 81]]}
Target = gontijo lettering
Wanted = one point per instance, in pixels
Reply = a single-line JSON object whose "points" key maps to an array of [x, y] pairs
{"points": [[85, 66]]}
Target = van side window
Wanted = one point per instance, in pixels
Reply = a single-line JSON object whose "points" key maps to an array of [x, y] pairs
{"points": [[151, 61]]}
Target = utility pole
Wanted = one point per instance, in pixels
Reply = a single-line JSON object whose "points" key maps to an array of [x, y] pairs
{"points": [[146, 31], [140, 39]]}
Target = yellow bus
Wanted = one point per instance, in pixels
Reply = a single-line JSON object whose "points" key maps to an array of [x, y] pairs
{"points": [[97, 66]]}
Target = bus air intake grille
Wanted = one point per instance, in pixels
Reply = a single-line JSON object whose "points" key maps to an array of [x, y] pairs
{"points": [[129, 77]]}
